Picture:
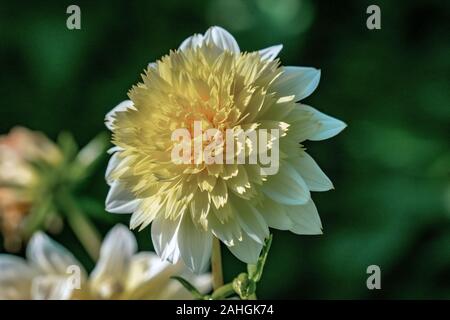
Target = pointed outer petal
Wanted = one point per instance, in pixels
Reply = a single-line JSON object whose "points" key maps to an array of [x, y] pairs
{"points": [[117, 249], [246, 250], [275, 215], [287, 186], [200, 205], [306, 219], [120, 200], [300, 81], [113, 163], [240, 183], [123, 106], [15, 278], [51, 287], [270, 53], [251, 221], [219, 195], [222, 39], [192, 42], [314, 177], [206, 182], [195, 245], [164, 238], [146, 212], [328, 126], [48, 256], [114, 149], [229, 171], [228, 232]]}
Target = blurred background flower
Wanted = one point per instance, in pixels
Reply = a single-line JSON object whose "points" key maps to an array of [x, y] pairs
{"points": [[51, 272], [37, 182], [390, 168], [25, 156]]}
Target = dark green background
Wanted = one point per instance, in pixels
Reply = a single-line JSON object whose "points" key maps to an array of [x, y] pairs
{"points": [[390, 167]]}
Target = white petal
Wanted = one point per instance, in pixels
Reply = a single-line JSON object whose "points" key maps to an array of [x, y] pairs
{"points": [[275, 215], [15, 278], [327, 126], [115, 255], [202, 282], [298, 81], [315, 178], [120, 200], [51, 287], [123, 106], [152, 65], [148, 276], [222, 39], [114, 149], [270, 53], [247, 250], [117, 249], [145, 212], [192, 42], [145, 266], [195, 245], [48, 256], [287, 186], [113, 163], [306, 219], [308, 123], [228, 232], [250, 220], [164, 238]]}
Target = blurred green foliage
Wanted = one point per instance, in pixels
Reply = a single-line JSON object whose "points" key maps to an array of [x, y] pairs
{"points": [[390, 167]]}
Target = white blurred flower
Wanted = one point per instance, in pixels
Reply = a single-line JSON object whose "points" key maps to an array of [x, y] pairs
{"points": [[52, 272]]}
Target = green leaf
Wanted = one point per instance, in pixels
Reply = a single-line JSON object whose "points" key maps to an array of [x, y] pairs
{"points": [[224, 291], [189, 287], [68, 145], [89, 156]]}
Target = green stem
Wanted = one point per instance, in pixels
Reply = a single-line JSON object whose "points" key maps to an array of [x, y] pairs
{"points": [[223, 292], [216, 264], [81, 226]]}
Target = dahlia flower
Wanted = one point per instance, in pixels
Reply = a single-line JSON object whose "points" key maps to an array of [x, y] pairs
{"points": [[209, 80], [53, 273]]}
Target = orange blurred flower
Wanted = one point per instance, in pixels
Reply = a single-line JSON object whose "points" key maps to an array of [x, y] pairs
{"points": [[21, 153]]}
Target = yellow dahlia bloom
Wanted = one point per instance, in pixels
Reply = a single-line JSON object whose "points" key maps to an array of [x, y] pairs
{"points": [[208, 80], [53, 273]]}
